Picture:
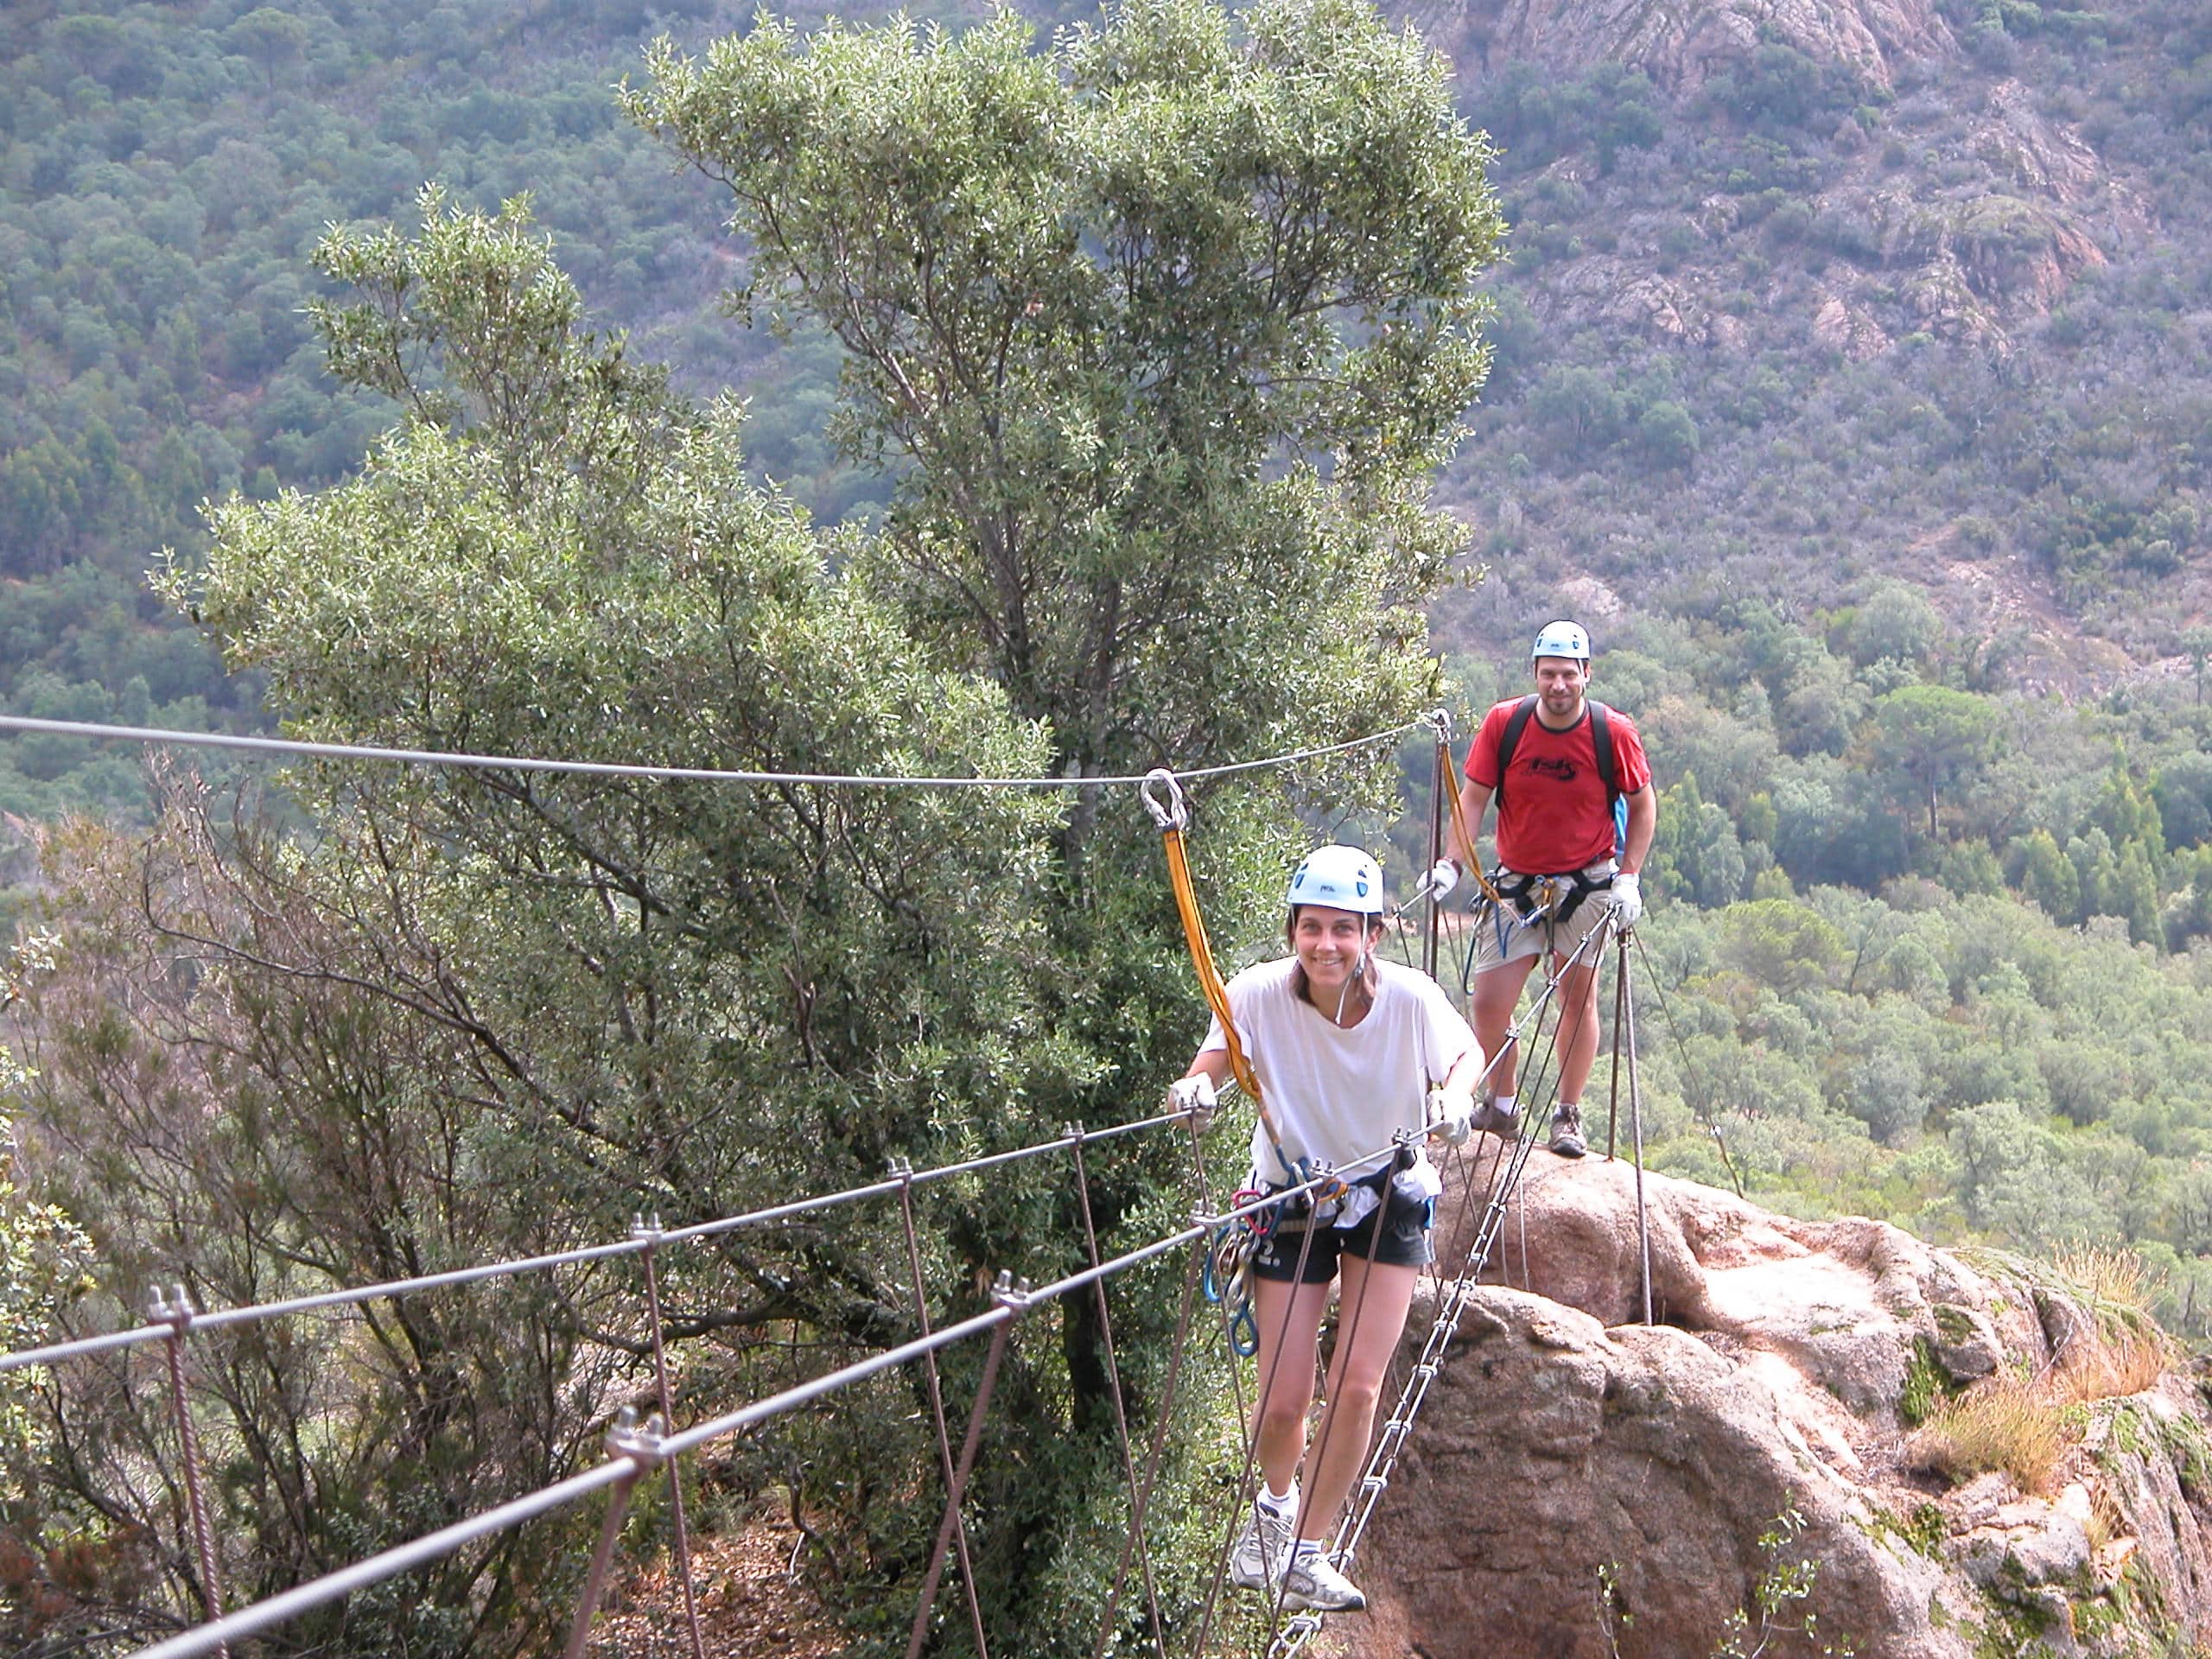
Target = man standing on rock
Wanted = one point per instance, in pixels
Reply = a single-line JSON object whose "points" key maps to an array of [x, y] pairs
{"points": [[1558, 765]]}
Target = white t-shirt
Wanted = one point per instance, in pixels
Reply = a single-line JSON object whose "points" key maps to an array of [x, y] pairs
{"points": [[1338, 1093]]}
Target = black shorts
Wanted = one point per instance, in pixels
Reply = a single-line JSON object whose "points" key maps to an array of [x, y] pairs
{"points": [[1404, 1243]]}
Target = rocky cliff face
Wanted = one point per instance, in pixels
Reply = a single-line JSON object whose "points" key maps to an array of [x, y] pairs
{"points": [[1680, 43], [1580, 1486]]}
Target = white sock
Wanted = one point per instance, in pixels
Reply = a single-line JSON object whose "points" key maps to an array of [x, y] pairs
{"points": [[1307, 1546], [1280, 1503], [1505, 1104], [1570, 1105]]}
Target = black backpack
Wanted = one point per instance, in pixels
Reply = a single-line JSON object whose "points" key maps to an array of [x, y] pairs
{"points": [[1601, 740]]}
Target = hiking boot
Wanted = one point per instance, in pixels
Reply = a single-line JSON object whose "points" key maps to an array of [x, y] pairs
{"points": [[1256, 1560], [1313, 1581], [1567, 1131], [1490, 1118]]}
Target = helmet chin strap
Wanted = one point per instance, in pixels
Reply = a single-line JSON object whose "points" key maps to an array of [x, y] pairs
{"points": [[1358, 974]]}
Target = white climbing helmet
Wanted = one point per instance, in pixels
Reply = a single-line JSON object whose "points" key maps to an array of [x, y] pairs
{"points": [[1561, 639], [1343, 878]]}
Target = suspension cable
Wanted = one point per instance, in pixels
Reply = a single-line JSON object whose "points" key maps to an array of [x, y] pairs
{"points": [[24, 723], [253, 1314], [1703, 1111], [260, 1616]]}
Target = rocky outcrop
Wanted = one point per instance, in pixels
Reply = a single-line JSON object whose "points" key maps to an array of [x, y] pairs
{"points": [[1847, 330], [2035, 152], [1626, 295], [1682, 43], [1580, 1486]]}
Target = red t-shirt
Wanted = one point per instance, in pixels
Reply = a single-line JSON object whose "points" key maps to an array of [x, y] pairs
{"points": [[1554, 816]]}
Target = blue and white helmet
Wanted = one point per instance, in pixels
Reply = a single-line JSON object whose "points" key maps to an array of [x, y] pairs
{"points": [[1561, 639], [1343, 878]]}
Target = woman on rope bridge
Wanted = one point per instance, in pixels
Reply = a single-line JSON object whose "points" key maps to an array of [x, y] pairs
{"points": [[1349, 1051]]}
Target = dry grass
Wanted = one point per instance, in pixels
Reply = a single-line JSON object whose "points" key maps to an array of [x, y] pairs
{"points": [[2109, 1278], [2009, 1423], [2127, 1351], [2119, 1361]]}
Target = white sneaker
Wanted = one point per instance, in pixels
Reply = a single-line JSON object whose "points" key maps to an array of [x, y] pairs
{"points": [[1313, 1581], [1256, 1561]]}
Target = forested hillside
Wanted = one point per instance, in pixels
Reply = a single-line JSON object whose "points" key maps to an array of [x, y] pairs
{"points": [[1780, 321], [1850, 386], [1854, 389], [167, 171]]}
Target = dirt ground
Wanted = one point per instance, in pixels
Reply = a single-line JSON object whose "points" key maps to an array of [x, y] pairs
{"points": [[749, 1607]]}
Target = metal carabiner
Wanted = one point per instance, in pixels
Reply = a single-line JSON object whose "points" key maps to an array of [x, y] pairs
{"points": [[1176, 815]]}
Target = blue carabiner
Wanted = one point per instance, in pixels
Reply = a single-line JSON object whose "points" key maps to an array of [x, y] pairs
{"points": [[1244, 1330]]}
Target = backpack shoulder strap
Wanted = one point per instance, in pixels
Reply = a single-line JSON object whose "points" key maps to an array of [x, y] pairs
{"points": [[1601, 743], [1515, 723]]}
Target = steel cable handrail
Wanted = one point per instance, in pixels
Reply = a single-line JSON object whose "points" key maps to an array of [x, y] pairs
{"points": [[256, 1313], [641, 1451]]}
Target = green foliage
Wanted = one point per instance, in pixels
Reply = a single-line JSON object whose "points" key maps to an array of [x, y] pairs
{"points": [[1147, 417], [1927, 1385]]}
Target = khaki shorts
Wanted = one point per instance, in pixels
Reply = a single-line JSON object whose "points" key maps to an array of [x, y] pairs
{"points": [[1502, 935]]}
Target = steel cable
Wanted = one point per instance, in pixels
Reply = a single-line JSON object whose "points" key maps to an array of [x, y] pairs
{"points": [[308, 750]]}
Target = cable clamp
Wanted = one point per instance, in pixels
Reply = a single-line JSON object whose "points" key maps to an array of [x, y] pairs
{"points": [[1175, 813], [639, 1442], [1010, 1292], [647, 1230], [901, 1169], [175, 1310]]}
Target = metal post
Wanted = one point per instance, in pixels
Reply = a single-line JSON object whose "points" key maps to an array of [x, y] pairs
{"points": [[642, 1448], [177, 1315], [1014, 1298], [650, 1233], [1074, 1132], [904, 1170], [1636, 1130], [1620, 998], [1441, 719]]}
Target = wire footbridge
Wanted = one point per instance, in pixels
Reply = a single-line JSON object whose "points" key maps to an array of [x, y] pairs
{"points": [[1480, 1181]]}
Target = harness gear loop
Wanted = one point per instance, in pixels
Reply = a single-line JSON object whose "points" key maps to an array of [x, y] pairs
{"points": [[1555, 896]]}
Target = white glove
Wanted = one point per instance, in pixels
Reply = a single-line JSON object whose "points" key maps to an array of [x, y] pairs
{"points": [[1443, 876], [1451, 1118], [1628, 900], [1194, 1095]]}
